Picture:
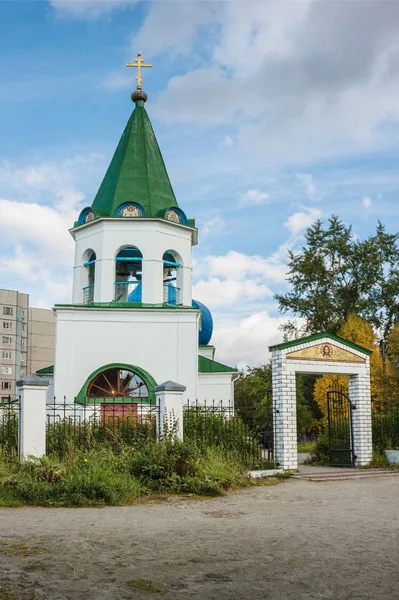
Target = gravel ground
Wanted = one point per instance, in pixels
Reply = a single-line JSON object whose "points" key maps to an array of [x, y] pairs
{"points": [[332, 540]]}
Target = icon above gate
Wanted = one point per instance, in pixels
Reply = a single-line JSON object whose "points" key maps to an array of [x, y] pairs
{"points": [[326, 352]]}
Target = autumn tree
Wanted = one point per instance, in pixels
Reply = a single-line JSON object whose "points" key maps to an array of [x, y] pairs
{"points": [[356, 330], [336, 275]]}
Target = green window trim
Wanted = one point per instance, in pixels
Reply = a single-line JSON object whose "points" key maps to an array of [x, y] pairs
{"points": [[148, 379]]}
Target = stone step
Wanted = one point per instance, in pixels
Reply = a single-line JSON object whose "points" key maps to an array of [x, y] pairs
{"points": [[345, 474]]}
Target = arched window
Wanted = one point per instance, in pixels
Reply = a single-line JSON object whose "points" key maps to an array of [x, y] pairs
{"points": [[89, 262], [172, 284], [128, 275], [117, 383]]}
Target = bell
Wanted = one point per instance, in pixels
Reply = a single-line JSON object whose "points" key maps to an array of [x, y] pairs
{"points": [[122, 270]]}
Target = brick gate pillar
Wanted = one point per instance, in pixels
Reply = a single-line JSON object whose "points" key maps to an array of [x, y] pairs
{"points": [[284, 408], [359, 395]]}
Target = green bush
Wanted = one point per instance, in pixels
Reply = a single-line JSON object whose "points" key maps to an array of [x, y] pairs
{"points": [[8, 431], [104, 430], [208, 429], [120, 476], [320, 454], [385, 428]]}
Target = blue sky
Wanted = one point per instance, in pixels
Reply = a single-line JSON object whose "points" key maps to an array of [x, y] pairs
{"points": [[269, 115]]}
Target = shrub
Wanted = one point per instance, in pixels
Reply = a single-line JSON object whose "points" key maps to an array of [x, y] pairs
{"points": [[211, 429], [320, 454], [108, 476]]}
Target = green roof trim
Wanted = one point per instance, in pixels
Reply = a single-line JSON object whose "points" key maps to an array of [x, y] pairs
{"points": [[46, 370], [137, 171], [318, 336], [124, 305], [206, 365]]}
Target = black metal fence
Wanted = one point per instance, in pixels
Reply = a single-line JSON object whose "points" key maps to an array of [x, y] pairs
{"points": [[87, 425], [385, 426], [245, 431], [9, 424]]}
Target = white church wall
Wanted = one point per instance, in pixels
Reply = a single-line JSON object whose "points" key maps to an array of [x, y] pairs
{"points": [[163, 342], [153, 237], [215, 387]]}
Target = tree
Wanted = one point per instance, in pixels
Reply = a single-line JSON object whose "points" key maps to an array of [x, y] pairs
{"points": [[359, 331], [252, 397], [336, 275]]}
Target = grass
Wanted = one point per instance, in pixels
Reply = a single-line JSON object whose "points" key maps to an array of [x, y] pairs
{"points": [[22, 549], [147, 586], [307, 447], [122, 476]]}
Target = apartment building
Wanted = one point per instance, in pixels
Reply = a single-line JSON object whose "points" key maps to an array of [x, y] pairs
{"points": [[41, 337], [26, 339]]}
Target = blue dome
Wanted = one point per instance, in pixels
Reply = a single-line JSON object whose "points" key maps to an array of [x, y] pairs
{"points": [[205, 334]]}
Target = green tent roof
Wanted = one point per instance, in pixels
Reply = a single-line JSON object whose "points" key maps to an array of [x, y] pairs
{"points": [[206, 365], [137, 172]]}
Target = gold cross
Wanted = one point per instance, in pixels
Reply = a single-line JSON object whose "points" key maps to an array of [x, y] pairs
{"points": [[139, 64]]}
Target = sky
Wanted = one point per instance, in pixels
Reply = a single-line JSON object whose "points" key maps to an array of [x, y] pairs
{"points": [[269, 115]]}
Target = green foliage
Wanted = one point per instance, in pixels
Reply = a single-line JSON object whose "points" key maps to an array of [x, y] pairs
{"points": [[320, 454], [8, 431], [307, 413], [336, 275], [108, 476], [230, 433], [385, 426], [104, 430], [306, 447], [101, 477], [251, 388]]}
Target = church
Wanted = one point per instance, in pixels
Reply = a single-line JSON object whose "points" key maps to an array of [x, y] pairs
{"points": [[132, 323]]}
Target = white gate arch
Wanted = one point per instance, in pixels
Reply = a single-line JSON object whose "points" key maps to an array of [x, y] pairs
{"points": [[321, 353]]}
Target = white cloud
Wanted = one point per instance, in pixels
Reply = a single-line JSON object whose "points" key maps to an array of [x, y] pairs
{"points": [[88, 9], [228, 142], [211, 227], [246, 341], [215, 292], [238, 266], [50, 179], [300, 97], [42, 202], [173, 27], [367, 202], [254, 198], [310, 187], [301, 220], [43, 227]]}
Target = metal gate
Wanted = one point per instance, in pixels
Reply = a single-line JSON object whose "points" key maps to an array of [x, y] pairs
{"points": [[340, 429]]}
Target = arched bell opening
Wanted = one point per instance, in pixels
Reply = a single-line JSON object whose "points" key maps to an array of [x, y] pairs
{"points": [[172, 279], [128, 275], [89, 263]]}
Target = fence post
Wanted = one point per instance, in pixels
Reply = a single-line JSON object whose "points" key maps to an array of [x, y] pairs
{"points": [[170, 401], [32, 417]]}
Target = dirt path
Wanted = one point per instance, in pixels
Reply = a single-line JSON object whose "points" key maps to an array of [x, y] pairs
{"points": [[298, 540]]}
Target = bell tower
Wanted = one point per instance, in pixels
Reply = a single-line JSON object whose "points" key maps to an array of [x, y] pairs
{"points": [[132, 289]]}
